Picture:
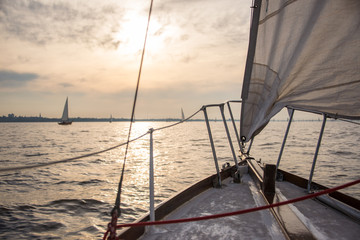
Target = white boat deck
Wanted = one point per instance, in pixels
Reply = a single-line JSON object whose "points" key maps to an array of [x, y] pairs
{"points": [[322, 221], [231, 197]]}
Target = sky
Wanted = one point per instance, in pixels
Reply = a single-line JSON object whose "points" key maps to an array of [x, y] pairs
{"points": [[90, 52]]}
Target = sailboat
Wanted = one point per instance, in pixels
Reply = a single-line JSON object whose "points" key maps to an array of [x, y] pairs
{"points": [[110, 121], [304, 56], [182, 115], [65, 116]]}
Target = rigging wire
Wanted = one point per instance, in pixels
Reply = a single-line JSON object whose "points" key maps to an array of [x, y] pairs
{"points": [[116, 210], [174, 124], [68, 159], [93, 153]]}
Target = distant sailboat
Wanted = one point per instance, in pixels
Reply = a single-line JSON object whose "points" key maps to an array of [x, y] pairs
{"points": [[182, 114], [110, 118], [65, 116]]}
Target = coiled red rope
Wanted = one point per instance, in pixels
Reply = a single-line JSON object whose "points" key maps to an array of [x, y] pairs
{"points": [[221, 215]]}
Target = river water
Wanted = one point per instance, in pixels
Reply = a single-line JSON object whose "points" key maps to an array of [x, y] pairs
{"points": [[72, 200]]}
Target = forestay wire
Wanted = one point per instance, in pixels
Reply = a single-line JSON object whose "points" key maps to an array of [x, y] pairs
{"points": [[116, 210]]}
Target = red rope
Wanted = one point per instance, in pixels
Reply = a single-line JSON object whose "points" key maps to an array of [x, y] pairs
{"points": [[238, 212]]}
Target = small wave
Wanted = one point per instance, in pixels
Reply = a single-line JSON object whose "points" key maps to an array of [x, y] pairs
{"points": [[47, 226], [268, 144], [92, 181], [340, 175], [35, 154], [132, 213], [199, 145], [343, 153], [98, 161], [31, 146], [25, 207], [267, 148], [92, 229], [79, 164], [74, 206], [198, 140], [169, 190], [4, 211], [327, 165], [66, 182], [17, 182], [79, 202]]}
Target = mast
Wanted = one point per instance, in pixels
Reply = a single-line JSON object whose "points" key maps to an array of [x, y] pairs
{"points": [[250, 58], [251, 49]]}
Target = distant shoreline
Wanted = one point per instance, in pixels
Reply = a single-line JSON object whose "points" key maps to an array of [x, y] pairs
{"points": [[78, 119]]}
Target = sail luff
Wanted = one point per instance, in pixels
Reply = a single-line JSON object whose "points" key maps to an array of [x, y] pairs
{"points": [[251, 49], [250, 58]]}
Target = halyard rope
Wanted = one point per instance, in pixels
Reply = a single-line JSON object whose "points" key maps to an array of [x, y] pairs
{"points": [[244, 211]]}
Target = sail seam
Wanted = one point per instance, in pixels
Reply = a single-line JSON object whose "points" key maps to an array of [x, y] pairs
{"points": [[325, 88], [276, 12]]}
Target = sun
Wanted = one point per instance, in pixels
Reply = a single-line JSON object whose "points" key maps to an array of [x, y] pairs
{"points": [[132, 34]]}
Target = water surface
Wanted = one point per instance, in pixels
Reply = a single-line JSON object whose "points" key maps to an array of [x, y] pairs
{"points": [[73, 200]]}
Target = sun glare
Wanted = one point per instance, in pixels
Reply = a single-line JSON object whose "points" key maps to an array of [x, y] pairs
{"points": [[132, 35]]}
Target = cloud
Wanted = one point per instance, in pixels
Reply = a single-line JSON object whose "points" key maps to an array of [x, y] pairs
{"points": [[44, 23], [15, 79], [66, 85], [194, 54]]}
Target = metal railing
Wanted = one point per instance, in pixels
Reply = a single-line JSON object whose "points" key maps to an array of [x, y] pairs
{"points": [[292, 110], [221, 108]]}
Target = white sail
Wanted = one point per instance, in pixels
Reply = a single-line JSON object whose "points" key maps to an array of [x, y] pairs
{"points": [[182, 114], [307, 56], [65, 115]]}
